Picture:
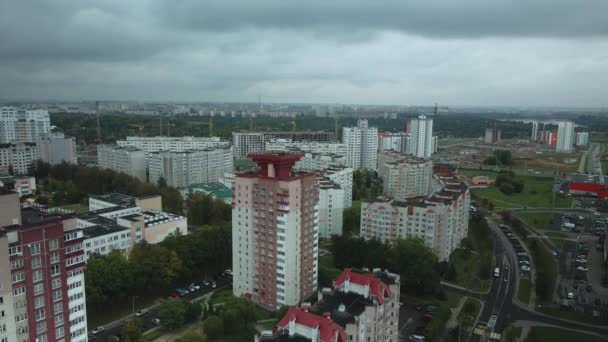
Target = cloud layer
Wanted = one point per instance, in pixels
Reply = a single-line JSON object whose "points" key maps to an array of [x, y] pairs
{"points": [[482, 52]]}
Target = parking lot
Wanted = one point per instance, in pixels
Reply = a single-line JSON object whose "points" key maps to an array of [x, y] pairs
{"points": [[583, 285]]}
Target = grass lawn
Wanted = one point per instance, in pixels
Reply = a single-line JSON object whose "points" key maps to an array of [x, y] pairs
{"points": [[436, 326], [77, 207], [524, 291], [547, 334], [546, 269], [538, 220], [537, 193], [221, 296]]}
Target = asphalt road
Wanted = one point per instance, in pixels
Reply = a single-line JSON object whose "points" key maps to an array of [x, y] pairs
{"points": [[115, 329], [497, 311]]}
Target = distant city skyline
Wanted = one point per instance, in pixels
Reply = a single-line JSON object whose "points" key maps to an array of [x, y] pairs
{"points": [[465, 53]]}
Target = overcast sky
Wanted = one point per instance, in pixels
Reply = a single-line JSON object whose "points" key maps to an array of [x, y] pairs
{"points": [[455, 52]]}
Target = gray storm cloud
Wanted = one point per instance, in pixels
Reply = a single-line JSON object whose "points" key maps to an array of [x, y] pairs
{"points": [[485, 52]]}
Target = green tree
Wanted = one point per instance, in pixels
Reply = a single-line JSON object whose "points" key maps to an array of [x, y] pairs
{"points": [[351, 221], [108, 279], [417, 265], [193, 311], [213, 327], [172, 313], [192, 336], [132, 331]]}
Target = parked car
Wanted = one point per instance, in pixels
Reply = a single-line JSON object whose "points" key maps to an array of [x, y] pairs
{"points": [[570, 295], [174, 294], [581, 261], [182, 292], [98, 330], [589, 288], [525, 268], [213, 285], [596, 313], [582, 268], [427, 317], [193, 287], [206, 283], [228, 272], [430, 308], [156, 321], [141, 312]]}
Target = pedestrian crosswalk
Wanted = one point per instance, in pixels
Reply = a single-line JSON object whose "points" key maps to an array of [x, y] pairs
{"points": [[484, 330]]}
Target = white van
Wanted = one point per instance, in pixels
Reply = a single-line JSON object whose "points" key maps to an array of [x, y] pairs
{"points": [[497, 272]]}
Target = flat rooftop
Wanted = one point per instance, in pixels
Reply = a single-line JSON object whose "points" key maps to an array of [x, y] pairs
{"points": [[117, 199], [102, 226], [32, 215], [153, 217]]}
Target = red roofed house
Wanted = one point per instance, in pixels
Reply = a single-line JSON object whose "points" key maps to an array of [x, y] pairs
{"points": [[361, 307], [300, 322]]}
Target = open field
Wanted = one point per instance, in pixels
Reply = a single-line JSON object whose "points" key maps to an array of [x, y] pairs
{"points": [[537, 193]]}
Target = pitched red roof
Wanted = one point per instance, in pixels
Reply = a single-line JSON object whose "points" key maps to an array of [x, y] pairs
{"points": [[329, 331], [378, 288]]}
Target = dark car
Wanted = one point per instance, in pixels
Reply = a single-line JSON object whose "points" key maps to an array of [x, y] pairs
{"points": [[589, 288]]}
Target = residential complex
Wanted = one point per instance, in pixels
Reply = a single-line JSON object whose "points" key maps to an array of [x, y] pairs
{"points": [[306, 146], [422, 142], [492, 135], [244, 143], [315, 161], [181, 169], [360, 307], [117, 222], [441, 219], [127, 160], [582, 138], [56, 148], [275, 232], [534, 135], [22, 185], [404, 176], [565, 136], [393, 141], [173, 144], [42, 273], [331, 208], [361, 146], [23, 125], [17, 158], [343, 177]]}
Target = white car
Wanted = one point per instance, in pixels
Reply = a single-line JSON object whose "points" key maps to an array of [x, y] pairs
{"points": [[525, 268], [570, 295], [582, 268], [581, 261], [156, 321], [97, 330], [141, 312], [228, 271]]}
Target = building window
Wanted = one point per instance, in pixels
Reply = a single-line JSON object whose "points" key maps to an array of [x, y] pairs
{"points": [[15, 250], [39, 302], [40, 315], [34, 248], [56, 295], [59, 320], [59, 332], [37, 275], [35, 262], [57, 308], [41, 327], [17, 277], [55, 269], [17, 263], [56, 283], [53, 244], [38, 289], [54, 257]]}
